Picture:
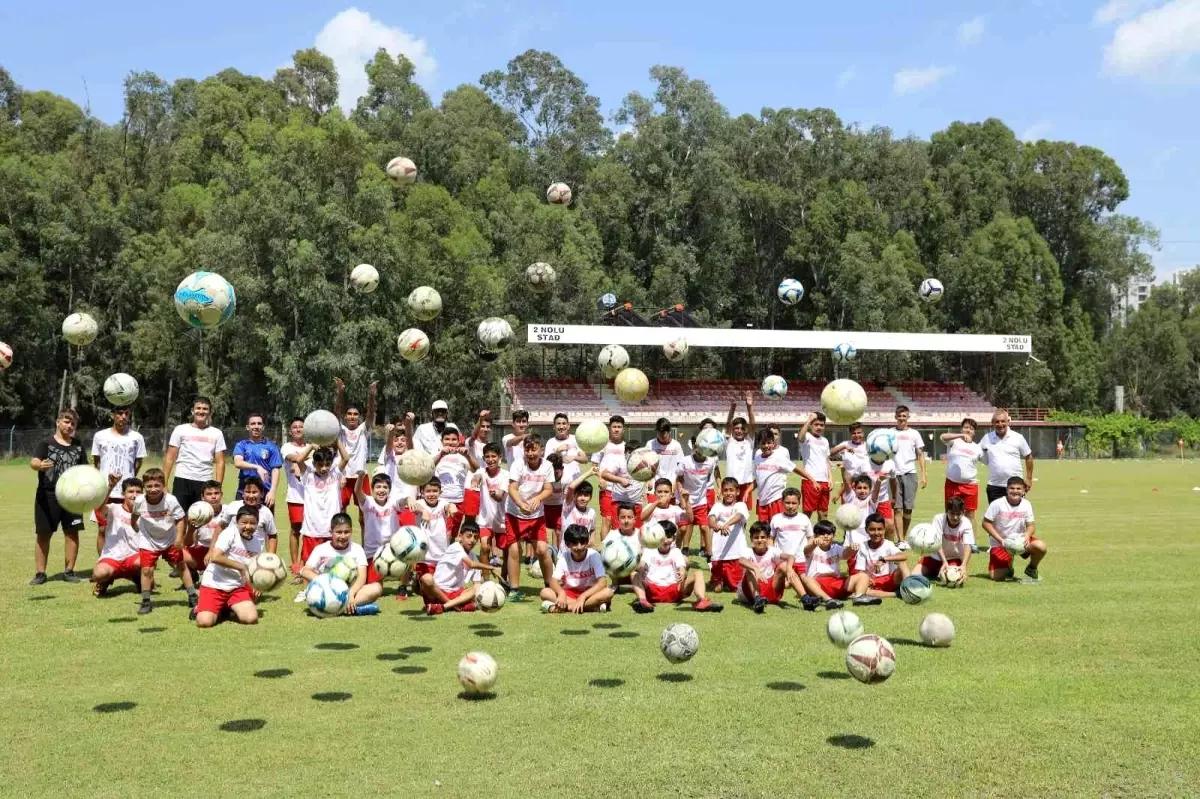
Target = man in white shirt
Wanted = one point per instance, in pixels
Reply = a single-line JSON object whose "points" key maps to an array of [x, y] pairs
{"points": [[1005, 451], [356, 436], [428, 437], [909, 460], [669, 452], [117, 451], [196, 454]]}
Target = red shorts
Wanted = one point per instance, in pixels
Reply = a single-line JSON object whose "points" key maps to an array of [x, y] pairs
{"points": [[727, 573], [931, 564], [307, 545], [834, 586], [467, 608], [711, 496], [406, 517], [799, 567], [372, 575], [700, 516], [553, 515], [1001, 558], [127, 569], [423, 568], [608, 508], [887, 582], [575, 593], [884, 509], [485, 532], [295, 513], [521, 530], [815, 496], [198, 553], [968, 491], [765, 512], [470, 504], [745, 490], [766, 589], [149, 557], [453, 522], [664, 593], [214, 600], [348, 490]]}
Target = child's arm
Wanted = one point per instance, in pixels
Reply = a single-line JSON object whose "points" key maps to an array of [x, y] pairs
{"points": [[899, 557], [750, 414], [410, 419], [948, 437], [343, 455], [686, 504], [543, 495], [875, 490], [804, 427], [990, 529], [809, 545], [648, 509], [515, 495], [800, 470], [339, 397], [584, 474], [750, 566], [179, 531], [372, 390], [222, 559], [729, 419], [359, 582], [1030, 530], [359, 493], [483, 567], [472, 464]]}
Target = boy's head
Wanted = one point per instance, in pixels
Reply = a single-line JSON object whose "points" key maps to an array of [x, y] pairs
{"points": [[875, 528], [760, 537], [450, 436], [791, 500], [492, 455], [256, 423], [381, 487], [533, 449], [340, 529], [201, 411], [322, 459], [247, 522], [817, 425], [253, 491], [626, 516], [823, 534], [765, 440], [857, 434], [130, 488], [520, 421], [576, 537], [468, 535], [670, 531], [352, 415], [616, 428], [663, 491], [556, 463], [739, 428], [955, 508], [66, 422], [483, 428], [155, 484], [861, 485], [211, 493], [431, 491], [729, 490], [901, 416], [968, 428], [662, 430], [706, 423], [120, 417], [296, 428], [776, 431], [583, 495], [1015, 490], [562, 426]]}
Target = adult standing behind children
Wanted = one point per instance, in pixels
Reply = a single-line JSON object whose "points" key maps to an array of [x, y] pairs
{"points": [[52, 457], [257, 456], [1006, 453], [196, 453], [428, 437], [117, 451]]}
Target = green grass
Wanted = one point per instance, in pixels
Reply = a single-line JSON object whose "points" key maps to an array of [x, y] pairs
{"points": [[1084, 685]]}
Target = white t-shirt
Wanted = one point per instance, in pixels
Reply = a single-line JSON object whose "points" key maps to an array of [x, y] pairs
{"points": [[865, 506], [379, 523], [791, 533], [322, 499], [1009, 519], [872, 561], [956, 541], [822, 562], [661, 569], [814, 451], [266, 518], [579, 575], [453, 470], [197, 448], [324, 554], [739, 460], [611, 459], [767, 562], [355, 442], [573, 515], [514, 449], [771, 475], [120, 539], [433, 521], [569, 448], [908, 441], [672, 513], [634, 539], [401, 491], [855, 460], [729, 546], [884, 470], [961, 459], [156, 523], [1004, 456], [695, 478], [669, 456], [295, 492], [452, 571], [230, 544], [476, 446], [205, 533], [491, 511], [118, 454], [558, 491], [427, 438], [530, 483]]}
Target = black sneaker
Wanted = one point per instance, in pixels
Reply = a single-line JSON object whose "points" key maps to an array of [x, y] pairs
{"points": [[70, 576], [833, 604], [193, 600], [38, 579], [810, 602], [642, 607], [704, 553], [760, 604], [192, 614], [1032, 574], [145, 607], [867, 600]]}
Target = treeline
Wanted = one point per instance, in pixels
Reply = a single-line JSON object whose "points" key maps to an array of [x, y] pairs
{"points": [[270, 184]]}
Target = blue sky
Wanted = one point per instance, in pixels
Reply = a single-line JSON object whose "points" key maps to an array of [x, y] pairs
{"points": [[1121, 75]]}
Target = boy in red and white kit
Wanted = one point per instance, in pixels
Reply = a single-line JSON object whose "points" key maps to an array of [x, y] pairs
{"points": [[580, 512], [763, 575], [362, 593], [727, 520], [772, 467], [322, 484], [864, 495], [451, 586], [662, 576], [693, 477], [529, 485], [579, 582], [198, 540], [293, 448], [879, 566], [1012, 514], [814, 452], [513, 443], [791, 530], [355, 435], [613, 451], [669, 452], [433, 512], [158, 519], [962, 466], [380, 521], [854, 456], [119, 558], [254, 493], [883, 475], [404, 494], [226, 580], [958, 542], [739, 449], [822, 576], [664, 509], [453, 467], [481, 436], [563, 443], [486, 496]]}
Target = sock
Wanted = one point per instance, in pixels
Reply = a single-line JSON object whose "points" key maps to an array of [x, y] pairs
{"points": [[191, 590], [145, 596], [369, 609]]}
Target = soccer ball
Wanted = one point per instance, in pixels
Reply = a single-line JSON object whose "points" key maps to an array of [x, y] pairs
{"points": [[495, 334], [679, 642], [540, 276], [774, 387], [81, 488], [642, 464], [591, 435], [931, 289], [344, 569], [844, 627], [80, 329], [790, 291], [121, 389], [612, 360], [413, 344], [620, 556], [559, 194], [844, 352], [365, 278], [924, 538], [953, 576], [1015, 543], [881, 445], [631, 385], [425, 303], [870, 659], [205, 300], [409, 544], [388, 566], [915, 589], [653, 534], [937, 630], [477, 672], [608, 301], [267, 571], [489, 596], [402, 171], [848, 517], [535, 570], [676, 350], [327, 596], [6, 356], [322, 428], [711, 442], [843, 401], [414, 467], [199, 514]]}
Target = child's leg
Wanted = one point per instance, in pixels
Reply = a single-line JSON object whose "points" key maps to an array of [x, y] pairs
{"points": [[792, 579], [601, 597], [778, 580], [543, 556], [512, 564], [468, 595], [904, 569], [368, 593], [430, 591], [102, 573], [858, 584], [70, 548], [749, 585], [811, 586], [879, 592], [243, 612], [205, 620], [685, 537], [694, 584], [1037, 551], [639, 587], [547, 595], [705, 538]]}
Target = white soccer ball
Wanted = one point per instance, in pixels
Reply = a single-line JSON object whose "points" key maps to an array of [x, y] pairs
{"points": [[558, 194], [365, 278], [80, 329], [6, 356], [711, 442], [409, 544], [388, 566], [540, 276], [915, 589], [199, 513], [843, 627], [790, 291], [322, 428], [774, 387], [931, 289], [414, 467], [425, 303], [535, 570], [612, 360], [495, 334], [344, 569], [631, 385], [679, 642], [881, 445], [844, 353], [619, 555], [327, 596], [870, 659], [848, 517], [591, 435], [653, 534], [402, 171], [477, 672], [924, 538], [954, 576], [608, 301], [121, 389], [937, 630], [676, 350], [490, 596], [843, 401], [81, 488], [642, 464], [413, 344], [205, 300], [267, 571], [1015, 543]]}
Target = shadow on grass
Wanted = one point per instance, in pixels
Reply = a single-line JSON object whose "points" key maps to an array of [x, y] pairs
{"points": [[389, 656], [151, 629], [122, 620], [422, 617], [42, 598], [606, 682], [170, 603], [114, 707], [488, 633], [243, 725], [850, 741], [673, 676], [272, 674], [908, 642], [833, 675], [483, 625], [624, 634], [410, 670], [416, 650], [332, 696], [486, 696], [606, 625], [785, 685], [335, 646], [412, 613], [572, 631]]}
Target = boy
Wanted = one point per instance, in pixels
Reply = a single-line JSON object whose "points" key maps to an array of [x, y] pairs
{"points": [[962, 459], [355, 436], [580, 512], [864, 495], [322, 484], [514, 443], [791, 530], [433, 513], [529, 485], [226, 581], [158, 518], [489, 487], [119, 451], [451, 587], [822, 576], [610, 462], [879, 566], [257, 456], [53, 456], [253, 494], [958, 542], [739, 451], [380, 520], [291, 449], [763, 580], [662, 576], [404, 494], [196, 454], [693, 477], [118, 552], [772, 467], [579, 582], [362, 593], [669, 453], [198, 540], [909, 459], [481, 435], [814, 452], [854, 455], [884, 476], [663, 509], [564, 443], [453, 467], [727, 520], [1012, 514], [553, 505]]}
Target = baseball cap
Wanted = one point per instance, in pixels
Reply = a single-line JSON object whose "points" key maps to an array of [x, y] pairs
{"points": [[439, 405]]}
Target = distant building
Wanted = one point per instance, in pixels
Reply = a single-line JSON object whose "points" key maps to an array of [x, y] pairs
{"points": [[1176, 277], [1124, 303]]}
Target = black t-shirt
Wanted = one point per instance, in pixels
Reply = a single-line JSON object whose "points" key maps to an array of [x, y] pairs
{"points": [[63, 458]]}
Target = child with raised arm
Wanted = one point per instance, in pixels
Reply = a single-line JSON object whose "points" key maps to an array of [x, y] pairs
{"points": [[292, 449], [119, 558], [864, 495], [727, 520], [853, 454], [822, 576], [362, 593], [958, 542], [879, 567], [197, 540], [579, 582], [763, 579], [663, 508], [772, 467], [814, 452], [1012, 514], [453, 467], [452, 584], [693, 477], [662, 576], [225, 583], [158, 519], [739, 449]]}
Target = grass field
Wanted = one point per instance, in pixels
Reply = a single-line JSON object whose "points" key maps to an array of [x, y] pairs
{"points": [[1084, 685]]}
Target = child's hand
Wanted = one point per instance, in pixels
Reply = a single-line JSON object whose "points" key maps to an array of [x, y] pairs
{"points": [[563, 603], [245, 574], [350, 606], [575, 606]]}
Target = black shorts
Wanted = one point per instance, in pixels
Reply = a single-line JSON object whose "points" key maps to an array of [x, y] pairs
{"points": [[995, 492], [48, 515], [188, 492]]}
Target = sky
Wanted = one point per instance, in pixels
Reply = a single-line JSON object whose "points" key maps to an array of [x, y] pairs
{"points": [[1120, 75]]}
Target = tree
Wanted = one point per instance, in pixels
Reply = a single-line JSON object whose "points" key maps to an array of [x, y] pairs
{"points": [[311, 82]]}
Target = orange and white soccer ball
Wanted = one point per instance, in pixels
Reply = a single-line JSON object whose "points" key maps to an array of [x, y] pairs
{"points": [[413, 344], [676, 349], [559, 194], [402, 171]]}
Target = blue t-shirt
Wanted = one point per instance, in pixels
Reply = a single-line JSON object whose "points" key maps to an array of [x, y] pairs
{"points": [[262, 453]]}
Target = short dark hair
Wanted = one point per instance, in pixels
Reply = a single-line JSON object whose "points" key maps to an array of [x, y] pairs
{"points": [[662, 481], [763, 435], [956, 505], [819, 417], [432, 481], [246, 510], [791, 491], [969, 421], [707, 421], [382, 477], [338, 519], [253, 414], [322, 456], [352, 407], [663, 425], [584, 488], [629, 506], [561, 415], [902, 409], [295, 419], [739, 420], [202, 400], [856, 426], [1015, 480], [493, 447], [468, 526], [874, 518], [576, 534], [670, 530], [68, 413], [760, 527], [729, 481], [861, 478], [824, 527], [615, 419], [450, 431], [533, 440], [555, 460], [155, 474], [254, 480], [520, 416], [131, 481], [211, 484]]}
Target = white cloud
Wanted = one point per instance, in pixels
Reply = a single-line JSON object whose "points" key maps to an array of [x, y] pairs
{"points": [[351, 39], [1152, 43], [845, 76], [971, 31], [1036, 131], [907, 81], [1119, 10]]}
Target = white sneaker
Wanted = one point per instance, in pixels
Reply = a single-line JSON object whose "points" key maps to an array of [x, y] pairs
{"points": [[299, 600], [902, 546], [603, 607]]}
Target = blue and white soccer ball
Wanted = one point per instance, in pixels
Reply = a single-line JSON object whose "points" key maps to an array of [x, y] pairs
{"points": [[711, 442], [915, 589], [327, 596], [881, 445], [608, 301], [790, 291], [774, 387], [931, 289], [844, 353], [205, 300], [620, 555]]}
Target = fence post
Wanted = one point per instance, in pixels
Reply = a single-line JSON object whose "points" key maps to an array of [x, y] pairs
{"points": [[12, 432]]}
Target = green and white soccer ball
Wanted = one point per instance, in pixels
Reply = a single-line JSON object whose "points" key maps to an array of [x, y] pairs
{"points": [[774, 387], [267, 571], [425, 303], [843, 627], [915, 589], [679, 642], [80, 329], [477, 672], [620, 556], [591, 435], [711, 442], [327, 596], [205, 300], [409, 544], [81, 488], [121, 389], [344, 569], [388, 565]]}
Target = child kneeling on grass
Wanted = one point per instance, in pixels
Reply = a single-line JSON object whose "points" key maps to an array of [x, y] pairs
{"points": [[1012, 514], [579, 581], [360, 600], [225, 584], [119, 556], [451, 586], [763, 580], [662, 576]]}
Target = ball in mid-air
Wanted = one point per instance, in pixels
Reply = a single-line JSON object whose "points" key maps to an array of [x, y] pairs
{"points": [[642, 464], [80, 329], [870, 659], [931, 289], [843, 627], [591, 435], [425, 303], [495, 334], [711, 442], [364, 278], [848, 517], [121, 389], [477, 672], [558, 194], [607, 301], [205, 300], [322, 428], [6, 356], [413, 344], [844, 353], [843, 401], [676, 350], [415, 467], [653, 534], [267, 571], [402, 171], [80, 489], [409, 544], [619, 555], [631, 385], [344, 569], [540, 276], [924, 538], [774, 387], [199, 513], [881, 445], [388, 566], [612, 359], [679, 642], [790, 291]]}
